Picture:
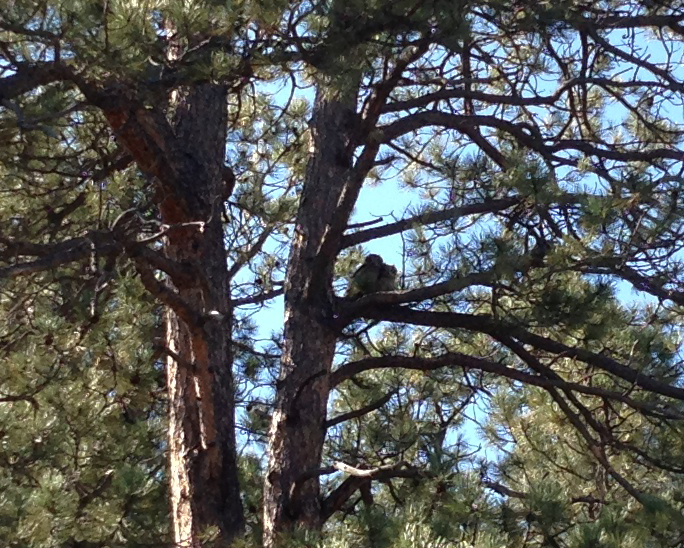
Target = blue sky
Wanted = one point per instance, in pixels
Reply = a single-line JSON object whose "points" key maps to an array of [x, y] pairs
{"points": [[389, 200]]}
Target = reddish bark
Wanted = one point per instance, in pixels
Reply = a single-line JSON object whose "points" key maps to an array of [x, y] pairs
{"points": [[187, 162]]}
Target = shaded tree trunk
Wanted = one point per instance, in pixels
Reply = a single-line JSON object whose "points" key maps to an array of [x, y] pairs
{"points": [[297, 433], [187, 161]]}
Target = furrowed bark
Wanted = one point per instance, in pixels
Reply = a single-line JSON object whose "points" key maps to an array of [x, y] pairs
{"points": [[187, 163], [298, 425], [202, 399]]}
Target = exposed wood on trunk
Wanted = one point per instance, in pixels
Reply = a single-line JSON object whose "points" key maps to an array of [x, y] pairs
{"points": [[187, 162]]}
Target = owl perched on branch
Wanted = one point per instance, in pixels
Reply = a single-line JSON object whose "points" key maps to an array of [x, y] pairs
{"points": [[373, 276]]}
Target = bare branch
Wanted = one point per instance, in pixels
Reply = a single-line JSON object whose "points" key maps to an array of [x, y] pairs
{"points": [[256, 299], [182, 274], [359, 477], [251, 252], [616, 267], [429, 217], [377, 404]]}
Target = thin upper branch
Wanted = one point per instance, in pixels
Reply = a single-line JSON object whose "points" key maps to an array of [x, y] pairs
{"points": [[429, 217], [377, 404]]}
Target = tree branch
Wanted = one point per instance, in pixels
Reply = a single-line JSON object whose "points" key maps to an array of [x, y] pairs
{"points": [[359, 477], [487, 324], [53, 255], [640, 282], [192, 318], [429, 217], [377, 404], [457, 359], [521, 133], [28, 76], [256, 299]]}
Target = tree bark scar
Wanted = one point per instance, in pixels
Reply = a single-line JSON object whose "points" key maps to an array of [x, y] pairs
{"points": [[291, 497]]}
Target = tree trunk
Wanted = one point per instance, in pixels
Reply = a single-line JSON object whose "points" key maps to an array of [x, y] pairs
{"points": [[297, 429], [187, 162], [203, 462]]}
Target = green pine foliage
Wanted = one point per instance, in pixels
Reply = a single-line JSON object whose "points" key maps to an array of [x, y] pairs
{"points": [[82, 419], [522, 413]]}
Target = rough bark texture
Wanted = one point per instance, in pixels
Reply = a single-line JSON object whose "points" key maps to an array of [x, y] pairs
{"points": [[187, 162], [298, 426], [202, 403]]}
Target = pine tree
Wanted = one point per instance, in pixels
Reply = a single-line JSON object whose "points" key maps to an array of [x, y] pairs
{"points": [[169, 169]]}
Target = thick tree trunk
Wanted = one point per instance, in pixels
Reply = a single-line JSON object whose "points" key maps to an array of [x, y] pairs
{"points": [[297, 429], [203, 462], [202, 455], [187, 162]]}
